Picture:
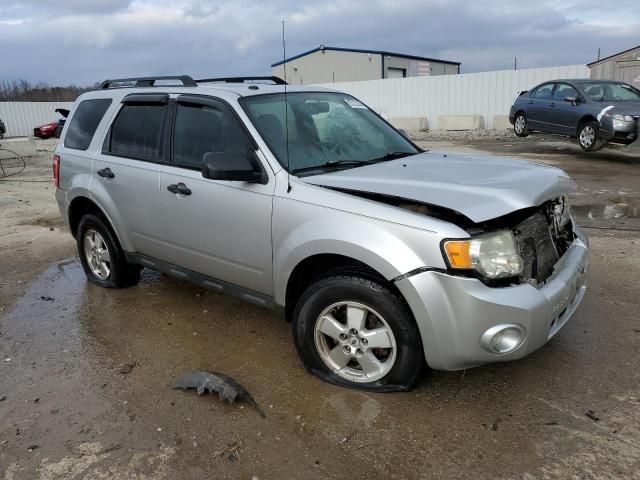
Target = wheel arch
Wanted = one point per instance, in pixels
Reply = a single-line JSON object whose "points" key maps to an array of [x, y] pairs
{"points": [[82, 205], [584, 119]]}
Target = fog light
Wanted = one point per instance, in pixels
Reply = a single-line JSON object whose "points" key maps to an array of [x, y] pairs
{"points": [[502, 338]]}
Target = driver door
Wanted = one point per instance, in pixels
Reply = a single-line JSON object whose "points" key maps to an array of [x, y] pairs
{"points": [[221, 229]]}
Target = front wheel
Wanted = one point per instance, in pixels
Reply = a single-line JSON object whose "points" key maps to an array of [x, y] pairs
{"points": [[355, 332], [101, 256], [588, 137]]}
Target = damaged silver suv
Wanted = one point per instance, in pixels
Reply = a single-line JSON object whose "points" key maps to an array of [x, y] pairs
{"points": [[385, 258]]}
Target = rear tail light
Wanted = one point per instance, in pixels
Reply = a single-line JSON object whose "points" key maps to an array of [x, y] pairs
{"points": [[56, 170]]}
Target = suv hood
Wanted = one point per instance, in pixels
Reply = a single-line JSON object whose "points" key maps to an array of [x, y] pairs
{"points": [[479, 187]]}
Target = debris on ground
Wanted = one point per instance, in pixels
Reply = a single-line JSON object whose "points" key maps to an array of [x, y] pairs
{"points": [[230, 451], [228, 389], [494, 427], [592, 415], [126, 368], [31, 448], [45, 298], [347, 438]]}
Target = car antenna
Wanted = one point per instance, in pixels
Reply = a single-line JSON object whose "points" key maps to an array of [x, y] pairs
{"points": [[286, 105]]}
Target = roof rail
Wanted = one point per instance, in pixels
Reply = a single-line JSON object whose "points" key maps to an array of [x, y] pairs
{"points": [[186, 80], [275, 80]]}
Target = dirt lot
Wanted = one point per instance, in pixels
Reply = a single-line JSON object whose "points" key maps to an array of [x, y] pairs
{"points": [[84, 372]]}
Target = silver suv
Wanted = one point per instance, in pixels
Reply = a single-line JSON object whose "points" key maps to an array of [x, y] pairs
{"points": [[385, 258]]}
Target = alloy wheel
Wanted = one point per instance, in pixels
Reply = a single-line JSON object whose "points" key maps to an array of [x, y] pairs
{"points": [[97, 254], [355, 342]]}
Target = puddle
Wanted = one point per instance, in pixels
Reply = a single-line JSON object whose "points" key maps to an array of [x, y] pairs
{"points": [[607, 211]]}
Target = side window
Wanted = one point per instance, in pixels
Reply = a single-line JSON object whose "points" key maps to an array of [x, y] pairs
{"points": [[564, 90], [204, 128], [84, 123], [137, 132], [543, 92]]}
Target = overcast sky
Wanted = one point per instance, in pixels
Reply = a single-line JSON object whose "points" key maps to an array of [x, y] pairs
{"points": [[84, 41]]}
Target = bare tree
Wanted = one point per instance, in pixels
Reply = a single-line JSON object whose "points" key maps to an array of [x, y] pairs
{"points": [[22, 90]]}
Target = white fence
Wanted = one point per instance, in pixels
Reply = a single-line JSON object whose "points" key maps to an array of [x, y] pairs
{"points": [[487, 93], [21, 117]]}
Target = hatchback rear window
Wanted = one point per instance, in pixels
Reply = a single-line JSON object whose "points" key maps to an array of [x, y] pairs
{"points": [[136, 132], [84, 123]]}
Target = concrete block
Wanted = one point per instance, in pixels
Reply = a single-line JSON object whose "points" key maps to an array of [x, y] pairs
{"points": [[460, 122], [410, 124], [25, 147], [501, 122]]}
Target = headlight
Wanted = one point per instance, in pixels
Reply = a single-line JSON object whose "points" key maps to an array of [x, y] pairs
{"points": [[622, 118], [493, 255]]}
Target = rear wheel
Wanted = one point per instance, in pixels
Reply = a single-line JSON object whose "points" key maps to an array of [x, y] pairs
{"points": [[354, 332], [101, 256], [520, 126], [588, 137]]}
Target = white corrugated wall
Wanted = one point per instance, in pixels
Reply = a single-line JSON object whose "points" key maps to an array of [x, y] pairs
{"points": [[20, 118], [485, 93]]}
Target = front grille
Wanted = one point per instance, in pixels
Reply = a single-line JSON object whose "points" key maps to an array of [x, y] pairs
{"points": [[537, 248]]}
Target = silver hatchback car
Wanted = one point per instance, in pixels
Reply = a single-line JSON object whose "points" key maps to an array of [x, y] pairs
{"points": [[385, 258]]}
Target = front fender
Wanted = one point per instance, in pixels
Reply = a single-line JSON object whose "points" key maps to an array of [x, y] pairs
{"points": [[383, 246]]}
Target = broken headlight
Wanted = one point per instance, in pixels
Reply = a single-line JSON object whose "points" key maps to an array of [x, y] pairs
{"points": [[494, 255]]}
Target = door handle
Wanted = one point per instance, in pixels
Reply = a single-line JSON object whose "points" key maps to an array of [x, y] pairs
{"points": [[106, 173], [530, 102], [179, 189], [552, 104]]}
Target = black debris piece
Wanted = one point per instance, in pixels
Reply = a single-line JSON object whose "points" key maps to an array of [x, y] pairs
{"points": [[592, 415], [228, 389], [46, 299]]}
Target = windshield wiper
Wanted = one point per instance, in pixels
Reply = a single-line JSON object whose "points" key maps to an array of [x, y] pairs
{"points": [[333, 164], [352, 163], [392, 156]]}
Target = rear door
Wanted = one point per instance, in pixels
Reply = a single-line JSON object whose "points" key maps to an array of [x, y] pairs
{"points": [[221, 229], [126, 177], [566, 114], [540, 108]]}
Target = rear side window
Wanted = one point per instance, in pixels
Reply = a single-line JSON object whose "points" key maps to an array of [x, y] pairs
{"points": [[137, 132], [84, 123], [544, 91]]}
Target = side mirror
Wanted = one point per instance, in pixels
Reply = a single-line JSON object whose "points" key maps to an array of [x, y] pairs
{"points": [[572, 99], [233, 166]]}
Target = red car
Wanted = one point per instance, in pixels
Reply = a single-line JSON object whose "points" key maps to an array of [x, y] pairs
{"points": [[52, 129]]}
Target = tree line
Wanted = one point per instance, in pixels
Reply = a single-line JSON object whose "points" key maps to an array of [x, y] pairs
{"points": [[25, 91]]}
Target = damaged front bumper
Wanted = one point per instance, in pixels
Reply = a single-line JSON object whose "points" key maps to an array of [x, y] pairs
{"points": [[458, 317], [618, 131]]}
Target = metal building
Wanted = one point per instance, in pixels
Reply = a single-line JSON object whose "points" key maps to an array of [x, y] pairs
{"points": [[623, 66], [333, 64]]}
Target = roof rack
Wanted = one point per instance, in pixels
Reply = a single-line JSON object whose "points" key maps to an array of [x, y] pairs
{"points": [[186, 80], [275, 80]]}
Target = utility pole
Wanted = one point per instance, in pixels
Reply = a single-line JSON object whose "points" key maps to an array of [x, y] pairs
{"points": [[598, 53], [515, 63]]}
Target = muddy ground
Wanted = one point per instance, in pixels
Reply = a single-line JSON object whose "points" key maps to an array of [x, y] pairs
{"points": [[84, 371]]}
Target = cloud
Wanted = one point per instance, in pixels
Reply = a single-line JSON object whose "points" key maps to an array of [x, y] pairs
{"points": [[84, 41]]}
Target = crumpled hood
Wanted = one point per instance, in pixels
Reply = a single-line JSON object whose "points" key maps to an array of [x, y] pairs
{"points": [[479, 187], [624, 108]]}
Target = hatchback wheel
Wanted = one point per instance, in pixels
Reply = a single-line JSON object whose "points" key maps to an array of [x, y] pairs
{"points": [[354, 332], [101, 256], [520, 126], [588, 137]]}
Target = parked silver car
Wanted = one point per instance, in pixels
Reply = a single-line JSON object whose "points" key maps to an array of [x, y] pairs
{"points": [[384, 257]]}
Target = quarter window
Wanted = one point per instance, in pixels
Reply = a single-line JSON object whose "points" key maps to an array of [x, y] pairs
{"points": [[84, 123], [544, 92], [205, 128], [137, 132]]}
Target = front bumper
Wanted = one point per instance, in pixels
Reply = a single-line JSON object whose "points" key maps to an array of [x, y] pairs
{"points": [[454, 312], [617, 131]]}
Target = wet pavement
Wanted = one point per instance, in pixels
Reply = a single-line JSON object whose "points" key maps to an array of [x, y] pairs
{"points": [[85, 380]]}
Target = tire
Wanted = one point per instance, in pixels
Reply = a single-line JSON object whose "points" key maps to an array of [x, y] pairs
{"points": [[101, 256], [399, 365], [520, 125], [588, 137]]}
